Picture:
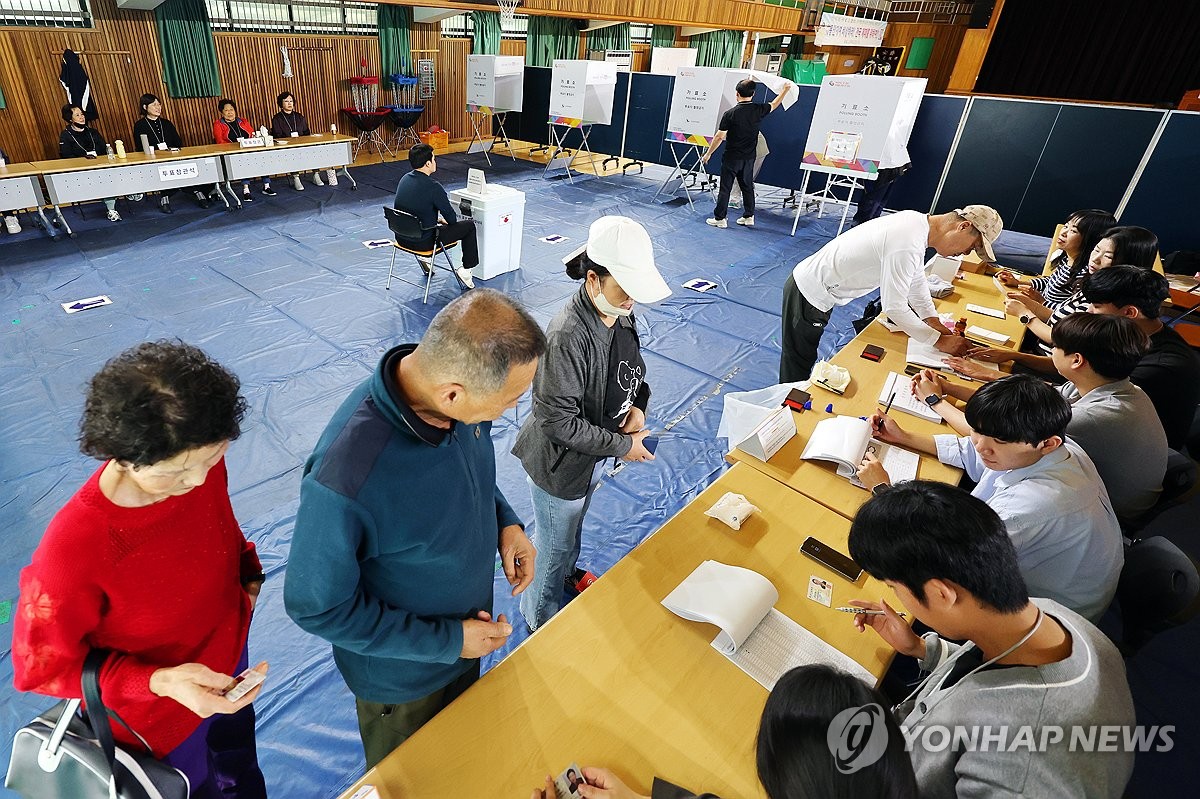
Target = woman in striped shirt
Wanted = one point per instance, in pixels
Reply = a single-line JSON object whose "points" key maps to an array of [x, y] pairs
{"points": [[1075, 242]]}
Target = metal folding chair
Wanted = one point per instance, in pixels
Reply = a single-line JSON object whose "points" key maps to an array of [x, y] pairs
{"points": [[421, 243]]}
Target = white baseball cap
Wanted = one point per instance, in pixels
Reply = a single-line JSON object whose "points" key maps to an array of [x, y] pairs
{"points": [[987, 222], [623, 247]]}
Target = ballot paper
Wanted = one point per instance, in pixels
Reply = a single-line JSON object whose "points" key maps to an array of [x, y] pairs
{"points": [[755, 636], [981, 309], [845, 440], [985, 336], [929, 357]]}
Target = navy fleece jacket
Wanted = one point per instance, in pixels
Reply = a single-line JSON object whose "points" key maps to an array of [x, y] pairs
{"points": [[395, 542]]}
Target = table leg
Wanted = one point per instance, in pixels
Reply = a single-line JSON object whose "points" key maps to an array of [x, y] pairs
{"points": [[44, 223], [62, 221], [346, 172]]}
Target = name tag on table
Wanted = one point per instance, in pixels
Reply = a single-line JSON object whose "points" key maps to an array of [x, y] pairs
{"points": [[295, 134], [187, 170], [162, 145], [770, 435]]}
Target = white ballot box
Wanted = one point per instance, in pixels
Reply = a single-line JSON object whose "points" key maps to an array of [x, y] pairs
{"points": [[499, 214]]}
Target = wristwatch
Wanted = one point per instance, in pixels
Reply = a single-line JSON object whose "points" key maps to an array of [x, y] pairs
{"points": [[1026, 318], [879, 489], [933, 399]]}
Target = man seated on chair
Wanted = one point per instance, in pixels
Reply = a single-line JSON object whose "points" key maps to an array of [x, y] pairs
{"points": [[423, 197]]}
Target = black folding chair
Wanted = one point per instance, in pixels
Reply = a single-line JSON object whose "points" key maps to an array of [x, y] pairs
{"points": [[421, 243]]}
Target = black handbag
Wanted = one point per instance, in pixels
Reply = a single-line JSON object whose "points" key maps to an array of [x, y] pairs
{"points": [[873, 309], [60, 755]]}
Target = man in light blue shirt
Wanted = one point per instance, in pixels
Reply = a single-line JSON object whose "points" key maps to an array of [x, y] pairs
{"points": [[1044, 486]]}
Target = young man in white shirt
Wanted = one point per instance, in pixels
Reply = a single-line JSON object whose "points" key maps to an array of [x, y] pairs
{"points": [[1042, 484], [1111, 418], [886, 254]]}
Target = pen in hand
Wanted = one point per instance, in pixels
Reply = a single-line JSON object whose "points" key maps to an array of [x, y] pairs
{"points": [[866, 612], [879, 424]]}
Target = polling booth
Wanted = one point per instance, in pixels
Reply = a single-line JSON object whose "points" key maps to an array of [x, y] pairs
{"points": [[581, 95], [495, 87], [699, 98], [854, 117]]}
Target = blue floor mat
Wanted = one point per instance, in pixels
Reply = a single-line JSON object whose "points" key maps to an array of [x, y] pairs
{"points": [[285, 294]]}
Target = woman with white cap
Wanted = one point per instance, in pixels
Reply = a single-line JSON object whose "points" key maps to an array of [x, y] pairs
{"points": [[589, 398]]}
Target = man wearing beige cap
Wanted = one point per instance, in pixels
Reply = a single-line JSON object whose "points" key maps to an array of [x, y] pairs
{"points": [[888, 254]]}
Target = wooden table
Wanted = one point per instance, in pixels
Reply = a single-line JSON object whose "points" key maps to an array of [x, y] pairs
{"points": [[617, 680], [20, 188], [71, 180], [979, 289]]}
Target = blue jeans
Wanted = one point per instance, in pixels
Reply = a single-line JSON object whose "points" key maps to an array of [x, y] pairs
{"points": [[557, 534]]}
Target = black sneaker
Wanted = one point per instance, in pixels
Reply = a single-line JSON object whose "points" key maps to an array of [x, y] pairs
{"points": [[247, 197], [268, 191], [202, 199], [164, 205]]}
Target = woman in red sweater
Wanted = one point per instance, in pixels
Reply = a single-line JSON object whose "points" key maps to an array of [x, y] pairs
{"points": [[228, 127], [147, 562]]}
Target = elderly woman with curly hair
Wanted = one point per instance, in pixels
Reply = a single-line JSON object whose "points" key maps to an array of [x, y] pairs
{"points": [[147, 563]]}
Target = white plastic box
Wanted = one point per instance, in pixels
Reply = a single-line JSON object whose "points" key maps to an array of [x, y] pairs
{"points": [[499, 215]]}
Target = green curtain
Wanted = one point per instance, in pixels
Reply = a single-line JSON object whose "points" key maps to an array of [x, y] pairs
{"points": [[663, 36], [487, 32], [718, 49], [548, 38], [612, 37], [189, 57], [773, 44], [395, 43]]}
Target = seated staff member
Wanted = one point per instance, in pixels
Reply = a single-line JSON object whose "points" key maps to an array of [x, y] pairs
{"points": [[1026, 664], [421, 195], [161, 135], [1076, 239], [11, 223], [80, 140], [228, 127], [886, 254], [1111, 418], [589, 398], [1169, 372], [793, 755], [290, 123], [1121, 245], [1043, 485], [1128, 244]]}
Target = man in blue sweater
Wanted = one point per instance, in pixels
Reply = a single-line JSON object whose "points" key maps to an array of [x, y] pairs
{"points": [[400, 518], [421, 195]]}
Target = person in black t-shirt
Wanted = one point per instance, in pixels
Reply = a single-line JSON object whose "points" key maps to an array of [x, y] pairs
{"points": [[160, 133], [1170, 371], [739, 129], [79, 140]]}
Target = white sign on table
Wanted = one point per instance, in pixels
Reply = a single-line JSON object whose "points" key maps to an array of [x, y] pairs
{"points": [[495, 83], [854, 116], [699, 98], [581, 92], [187, 170], [840, 30]]}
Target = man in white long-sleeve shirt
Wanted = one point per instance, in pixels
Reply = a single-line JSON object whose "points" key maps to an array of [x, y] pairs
{"points": [[888, 254]]}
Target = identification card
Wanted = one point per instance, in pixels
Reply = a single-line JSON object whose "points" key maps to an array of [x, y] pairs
{"points": [[247, 681], [820, 590]]}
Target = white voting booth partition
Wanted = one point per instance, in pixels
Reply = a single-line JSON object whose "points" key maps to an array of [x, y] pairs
{"points": [[667, 60], [495, 86], [701, 95], [581, 95], [854, 117]]}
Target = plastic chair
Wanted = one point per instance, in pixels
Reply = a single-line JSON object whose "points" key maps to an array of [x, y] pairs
{"points": [[419, 242], [1178, 480], [1159, 588]]}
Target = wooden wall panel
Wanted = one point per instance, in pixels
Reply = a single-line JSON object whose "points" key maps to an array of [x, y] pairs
{"points": [[947, 40]]}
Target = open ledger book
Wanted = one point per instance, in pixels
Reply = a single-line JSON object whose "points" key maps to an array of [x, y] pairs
{"points": [[759, 639], [844, 440]]}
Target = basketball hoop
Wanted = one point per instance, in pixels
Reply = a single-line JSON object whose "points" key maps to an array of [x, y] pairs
{"points": [[508, 9]]}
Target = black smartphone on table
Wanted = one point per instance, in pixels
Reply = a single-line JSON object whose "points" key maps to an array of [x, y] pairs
{"points": [[831, 558]]}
